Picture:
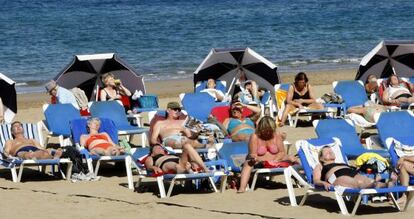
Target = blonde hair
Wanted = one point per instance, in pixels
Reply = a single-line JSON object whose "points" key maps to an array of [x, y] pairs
{"points": [[107, 75], [266, 128]]}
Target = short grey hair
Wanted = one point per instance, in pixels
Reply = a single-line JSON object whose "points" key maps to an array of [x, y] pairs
{"points": [[94, 119]]}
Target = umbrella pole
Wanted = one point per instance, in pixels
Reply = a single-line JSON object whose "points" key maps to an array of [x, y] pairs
{"points": [[231, 84]]}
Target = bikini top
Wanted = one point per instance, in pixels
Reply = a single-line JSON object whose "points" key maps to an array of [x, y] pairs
{"points": [[326, 168], [297, 95], [108, 97], [262, 148], [233, 123]]}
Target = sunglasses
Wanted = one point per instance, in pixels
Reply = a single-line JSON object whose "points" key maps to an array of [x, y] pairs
{"points": [[177, 109]]}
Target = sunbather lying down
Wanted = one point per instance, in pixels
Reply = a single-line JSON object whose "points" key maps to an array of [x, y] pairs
{"points": [[99, 143], [25, 148], [329, 173], [159, 161]]}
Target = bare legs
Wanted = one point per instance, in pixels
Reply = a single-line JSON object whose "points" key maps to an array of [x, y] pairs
{"points": [[111, 151], [290, 107], [406, 169], [245, 176], [39, 154], [358, 181]]}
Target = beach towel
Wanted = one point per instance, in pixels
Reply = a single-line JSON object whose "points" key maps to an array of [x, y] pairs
{"points": [[80, 96], [403, 150]]}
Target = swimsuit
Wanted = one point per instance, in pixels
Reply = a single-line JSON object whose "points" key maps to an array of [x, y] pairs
{"points": [[26, 149], [171, 158], [305, 96], [347, 171], [108, 97], [262, 149], [397, 92], [103, 142], [234, 123], [175, 138]]}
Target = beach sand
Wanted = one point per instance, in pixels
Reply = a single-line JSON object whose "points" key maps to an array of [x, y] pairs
{"points": [[41, 196]]}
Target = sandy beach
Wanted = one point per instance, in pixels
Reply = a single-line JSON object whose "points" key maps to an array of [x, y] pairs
{"points": [[40, 196]]}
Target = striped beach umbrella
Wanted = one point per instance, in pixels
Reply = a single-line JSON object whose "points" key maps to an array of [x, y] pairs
{"points": [[8, 97], [387, 58], [225, 64], [85, 72]]}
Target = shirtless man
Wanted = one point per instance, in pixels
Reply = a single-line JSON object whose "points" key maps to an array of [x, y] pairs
{"points": [[25, 148], [172, 130]]}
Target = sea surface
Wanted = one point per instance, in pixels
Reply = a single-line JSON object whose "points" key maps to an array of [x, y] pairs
{"points": [[169, 39]]}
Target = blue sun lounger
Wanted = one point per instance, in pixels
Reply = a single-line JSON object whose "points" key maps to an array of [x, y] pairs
{"points": [[116, 112], [218, 169], [344, 130], [395, 129], [79, 127], [58, 117], [308, 151], [16, 165], [234, 153]]}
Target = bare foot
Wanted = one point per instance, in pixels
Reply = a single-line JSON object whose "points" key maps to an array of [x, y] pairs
{"points": [[57, 154]]}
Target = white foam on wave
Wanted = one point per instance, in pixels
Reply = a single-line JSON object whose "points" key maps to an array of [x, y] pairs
{"points": [[22, 84]]}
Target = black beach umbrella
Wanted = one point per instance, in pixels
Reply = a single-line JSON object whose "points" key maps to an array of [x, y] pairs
{"points": [[85, 72], [387, 58], [225, 64], [8, 97]]}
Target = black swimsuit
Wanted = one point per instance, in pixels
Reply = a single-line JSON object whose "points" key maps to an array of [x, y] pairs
{"points": [[348, 171], [297, 96], [109, 97], [171, 159]]}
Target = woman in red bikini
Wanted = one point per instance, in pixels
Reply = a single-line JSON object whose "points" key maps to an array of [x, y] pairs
{"points": [[99, 143], [265, 145]]}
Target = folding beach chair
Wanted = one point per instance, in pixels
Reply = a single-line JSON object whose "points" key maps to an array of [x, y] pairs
{"points": [[395, 130], [344, 130], [57, 120], [218, 169], [114, 111], [79, 127], [281, 95], [353, 93], [31, 131], [234, 153], [308, 151]]}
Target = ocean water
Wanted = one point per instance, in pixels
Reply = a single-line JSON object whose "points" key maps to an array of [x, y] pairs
{"points": [[169, 39]]}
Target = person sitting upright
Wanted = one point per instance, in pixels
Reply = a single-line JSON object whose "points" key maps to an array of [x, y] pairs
{"points": [[25, 148], [218, 95], [265, 145], [398, 92], [237, 126], [99, 143], [172, 130], [299, 95]]}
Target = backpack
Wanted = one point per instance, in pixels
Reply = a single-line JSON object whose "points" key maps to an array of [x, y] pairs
{"points": [[76, 158]]}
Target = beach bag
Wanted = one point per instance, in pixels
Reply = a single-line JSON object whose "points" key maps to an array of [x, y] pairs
{"points": [[372, 163], [75, 156], [332, 98]]}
